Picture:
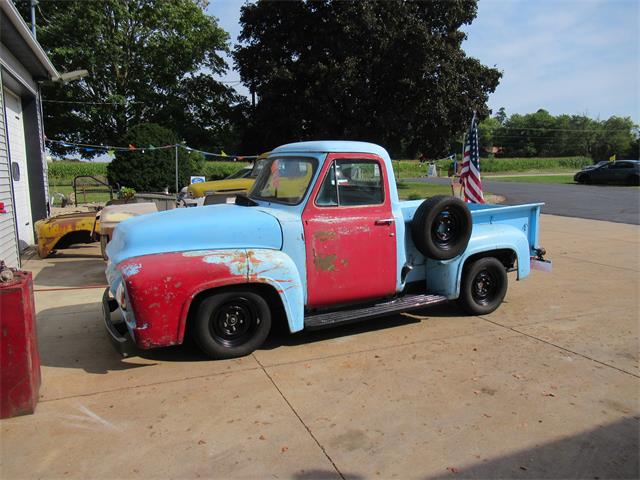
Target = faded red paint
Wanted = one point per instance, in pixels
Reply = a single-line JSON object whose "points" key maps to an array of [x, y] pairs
{"points": [[349, 256], [161, 288]]}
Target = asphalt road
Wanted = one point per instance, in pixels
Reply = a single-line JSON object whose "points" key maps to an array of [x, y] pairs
{"points": [[597, 202]]}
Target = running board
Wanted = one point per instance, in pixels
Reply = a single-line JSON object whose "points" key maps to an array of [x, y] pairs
{"points": [[403, 304]]}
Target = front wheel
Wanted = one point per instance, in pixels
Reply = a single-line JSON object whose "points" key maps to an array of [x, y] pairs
{"points": [[231, 324], [483, 287]]}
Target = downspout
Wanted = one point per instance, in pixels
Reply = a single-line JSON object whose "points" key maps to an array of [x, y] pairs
{"points": [[33, 17]]}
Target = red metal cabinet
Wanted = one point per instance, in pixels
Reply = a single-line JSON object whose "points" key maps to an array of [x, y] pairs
{"points": [[20, 361]]}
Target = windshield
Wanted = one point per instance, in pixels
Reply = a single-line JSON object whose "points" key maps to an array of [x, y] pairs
{"points": [[257, 167], [242, 173], [284, 180]]}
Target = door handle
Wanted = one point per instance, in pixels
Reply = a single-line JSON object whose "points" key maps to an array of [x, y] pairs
{"points": [[384, 221]]}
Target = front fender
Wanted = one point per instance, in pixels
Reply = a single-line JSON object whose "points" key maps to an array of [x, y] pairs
{"points": [[277, 269], [444, 277]]}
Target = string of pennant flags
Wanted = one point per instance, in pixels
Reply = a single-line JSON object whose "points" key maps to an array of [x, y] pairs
{"points": [[111, 149]]}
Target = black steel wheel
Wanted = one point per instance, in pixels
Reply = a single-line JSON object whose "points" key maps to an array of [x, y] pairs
{"points": [[231, 323], [441, 227], [484, 286]]}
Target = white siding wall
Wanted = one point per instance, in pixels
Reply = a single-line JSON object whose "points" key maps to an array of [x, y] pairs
{"points": [[8, 237], [43, 152]]}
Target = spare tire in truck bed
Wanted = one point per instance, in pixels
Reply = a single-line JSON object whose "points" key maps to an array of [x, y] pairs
{"points": [[441, 227]]}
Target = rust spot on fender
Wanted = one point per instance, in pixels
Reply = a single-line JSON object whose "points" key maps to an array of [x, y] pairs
{"points": [[325, 262], [325, 235]]}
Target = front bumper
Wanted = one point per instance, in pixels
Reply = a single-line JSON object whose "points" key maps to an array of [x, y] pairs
{"points": [[117, 331]]}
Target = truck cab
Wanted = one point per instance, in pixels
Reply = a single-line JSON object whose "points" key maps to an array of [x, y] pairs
{"points": [[321, 239]]}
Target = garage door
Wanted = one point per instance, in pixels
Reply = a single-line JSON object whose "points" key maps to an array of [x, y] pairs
{"points": [[18, 165]]}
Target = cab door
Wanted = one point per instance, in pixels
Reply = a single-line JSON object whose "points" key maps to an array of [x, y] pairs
{"points": [[350, 232]]}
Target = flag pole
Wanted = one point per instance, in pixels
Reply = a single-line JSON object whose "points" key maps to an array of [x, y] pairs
{"points": [[177, 171]]}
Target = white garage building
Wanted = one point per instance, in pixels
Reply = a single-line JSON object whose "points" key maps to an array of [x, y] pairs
{"points": [[23, 167]]}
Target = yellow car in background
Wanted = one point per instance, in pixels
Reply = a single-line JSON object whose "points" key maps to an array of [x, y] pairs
{"points": [[239, 182]]}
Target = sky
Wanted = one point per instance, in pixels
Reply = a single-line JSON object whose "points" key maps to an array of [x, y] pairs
{"points": [[566, 56]]}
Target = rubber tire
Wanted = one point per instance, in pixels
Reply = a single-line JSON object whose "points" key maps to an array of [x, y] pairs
{"points": [[466, 300], [200, 324], [423, 221], [634, 180], [104, 240]]}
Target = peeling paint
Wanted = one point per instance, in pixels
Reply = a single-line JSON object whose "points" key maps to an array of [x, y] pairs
{"points": [[325, 235], [161, 287], [131, 270]]}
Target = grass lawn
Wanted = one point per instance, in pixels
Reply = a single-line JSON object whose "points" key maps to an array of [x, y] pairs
{"points": [[558, 179], [417, 190]]}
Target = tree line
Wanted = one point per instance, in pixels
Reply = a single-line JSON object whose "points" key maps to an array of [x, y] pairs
{"points": [[391, 72], [541, 134]]}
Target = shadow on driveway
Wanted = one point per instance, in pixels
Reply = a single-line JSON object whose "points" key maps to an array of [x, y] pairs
{"points": [[74, 337], [609, 451]]}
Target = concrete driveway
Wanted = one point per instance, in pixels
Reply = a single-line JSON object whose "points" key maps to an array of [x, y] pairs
{"points": [[546, 387]]}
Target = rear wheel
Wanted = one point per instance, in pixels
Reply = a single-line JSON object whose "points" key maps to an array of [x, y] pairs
{"points": [[231, 324], [634, 180], [484, 286]]}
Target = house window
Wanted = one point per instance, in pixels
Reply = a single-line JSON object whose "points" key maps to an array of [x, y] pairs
{"points": [[15, 171]]}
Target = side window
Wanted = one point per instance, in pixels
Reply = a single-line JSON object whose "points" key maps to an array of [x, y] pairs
{"points": [[328, 193], [350, 183]]}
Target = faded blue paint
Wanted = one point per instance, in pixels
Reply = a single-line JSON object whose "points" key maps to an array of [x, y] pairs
{"points": [[272, 236], [523, 220], [444, 276], [183, 229], [293, 244], [224, 257], [277, 269]]}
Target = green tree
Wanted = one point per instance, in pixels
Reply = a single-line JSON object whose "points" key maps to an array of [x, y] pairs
{"points": [[615, 138], [391, 72], [152, 170], [148, 61]]}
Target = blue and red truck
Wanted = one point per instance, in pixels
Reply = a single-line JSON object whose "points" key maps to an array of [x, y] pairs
{"points": [[321, 239]]}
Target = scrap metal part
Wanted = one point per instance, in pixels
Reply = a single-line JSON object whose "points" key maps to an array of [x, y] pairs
{"points": [[65, 230]]}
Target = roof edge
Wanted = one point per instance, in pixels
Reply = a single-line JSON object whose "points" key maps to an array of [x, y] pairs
{"points": [[16, 19]]}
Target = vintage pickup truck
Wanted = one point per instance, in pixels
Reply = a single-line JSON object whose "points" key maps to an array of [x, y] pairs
{"points": [[321, 239]]}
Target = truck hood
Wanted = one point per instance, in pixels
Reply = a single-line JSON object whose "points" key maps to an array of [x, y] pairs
{"points": [[213, 227], [220, 186]]}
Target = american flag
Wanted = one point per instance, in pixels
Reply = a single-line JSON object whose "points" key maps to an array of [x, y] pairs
{"points": [[470, 174]]}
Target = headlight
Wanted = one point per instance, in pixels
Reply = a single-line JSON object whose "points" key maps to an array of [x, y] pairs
{"points": [[121, 297]]}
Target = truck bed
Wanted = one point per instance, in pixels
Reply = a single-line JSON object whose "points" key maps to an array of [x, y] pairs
{"points": [[523, 217]]}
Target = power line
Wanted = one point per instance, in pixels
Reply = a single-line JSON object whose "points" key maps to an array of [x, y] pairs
{"points": [[579, 130], [90, 103]]}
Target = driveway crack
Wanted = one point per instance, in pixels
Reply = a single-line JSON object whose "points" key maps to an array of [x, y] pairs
{"points": [[559, 347], [299, 418]]}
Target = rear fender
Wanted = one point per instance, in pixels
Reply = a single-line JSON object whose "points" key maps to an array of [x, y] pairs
{"points": [[444, 277]]}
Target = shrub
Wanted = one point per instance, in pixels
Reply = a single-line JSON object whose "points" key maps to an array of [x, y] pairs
{"points": [[152, 170]]}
